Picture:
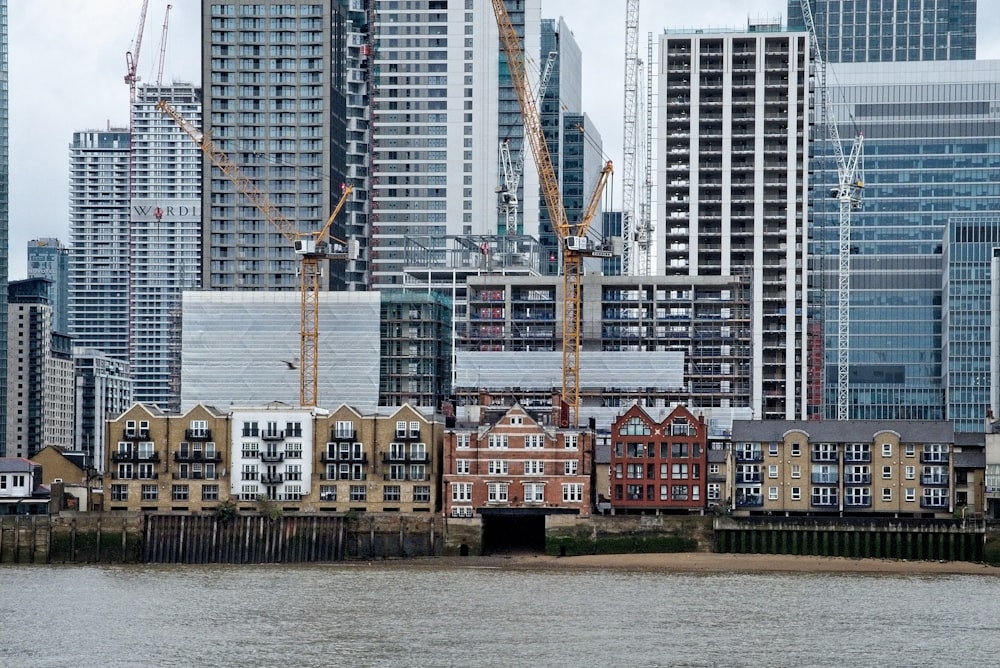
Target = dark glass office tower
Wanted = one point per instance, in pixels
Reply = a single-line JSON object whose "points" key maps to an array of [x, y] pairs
{"points": [[872, 31]]}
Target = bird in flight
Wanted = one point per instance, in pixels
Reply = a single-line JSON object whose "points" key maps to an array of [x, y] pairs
{"points": [[291, 365]]}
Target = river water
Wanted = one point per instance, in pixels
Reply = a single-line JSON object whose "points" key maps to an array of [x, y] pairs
{"points": [[394, 614]]}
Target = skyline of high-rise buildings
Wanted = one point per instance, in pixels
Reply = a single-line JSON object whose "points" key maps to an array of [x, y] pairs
{"points": [[410, 103]]}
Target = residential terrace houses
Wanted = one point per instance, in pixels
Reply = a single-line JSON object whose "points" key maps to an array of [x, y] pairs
{"points": [[918, 469], [296, 458]]}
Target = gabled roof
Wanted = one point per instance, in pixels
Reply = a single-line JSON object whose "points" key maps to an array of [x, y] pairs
{"points": [[17, 465]]}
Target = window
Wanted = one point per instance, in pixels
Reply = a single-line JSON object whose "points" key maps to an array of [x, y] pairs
{"points": [[572, 493], [887, 449], [421, 493], [145, 449], [461, 491], [714, 491], [679, 492], [293, 451], [199, 428], [796, 471], [497, 441], [534, 467], [344, 429], [418, 472], [534, 492], [679, 471], [414, 430], [119, 492], [146, 471], [498, 467], [179, 493], [418, 452], [911, 450], [390, 493], [125, 471], [401, 429], [328, 492], [858, 496], [534, 441], [397, 451], [772, 449], [462, 466], [796, 449], [679, 450], [713, 469], [795, 494], [887, 493], [911, 494], [570, 441], [462, 441], [634, 471], [250, 451], [150, 493], [251, 429], [397, 471], [358, 493], [886, 473], [935, 452], [772, 471], [496, 492], [210, 493], [824, 452], [772, 493], [911, 472], [570, 467], [824, 496]]}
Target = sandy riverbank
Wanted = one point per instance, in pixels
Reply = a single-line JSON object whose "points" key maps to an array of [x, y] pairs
{"points": [[703, 562]]}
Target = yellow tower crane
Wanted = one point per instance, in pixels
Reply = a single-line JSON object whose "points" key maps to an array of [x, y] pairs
{"points": [[311, 247], [575, 244]]}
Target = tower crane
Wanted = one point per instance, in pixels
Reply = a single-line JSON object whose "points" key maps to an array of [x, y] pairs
{"points": [[512, 171], [575, 244], [629, 228], [311, 247], [850, 186], [163, 46], [132, 56]]}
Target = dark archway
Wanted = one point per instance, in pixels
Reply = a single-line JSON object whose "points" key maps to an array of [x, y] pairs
{"points": [[513, 532]]}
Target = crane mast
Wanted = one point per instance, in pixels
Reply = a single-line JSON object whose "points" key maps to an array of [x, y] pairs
{"points": [[163, 46], [573, 238], [850, 186], [311, 247], [646, 224], [132, 56], [629, 229]]}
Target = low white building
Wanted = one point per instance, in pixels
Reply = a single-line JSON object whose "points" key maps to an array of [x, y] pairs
{"points": [[271, 451]]}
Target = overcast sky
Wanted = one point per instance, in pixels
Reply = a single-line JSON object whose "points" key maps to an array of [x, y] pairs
{"points": [[67, 68]]}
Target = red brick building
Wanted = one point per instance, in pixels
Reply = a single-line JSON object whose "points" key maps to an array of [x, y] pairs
{"points": [[513, 464], [658, 466]]}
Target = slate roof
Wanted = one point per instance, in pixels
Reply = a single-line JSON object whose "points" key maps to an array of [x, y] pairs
{"points": [[841, 431]]}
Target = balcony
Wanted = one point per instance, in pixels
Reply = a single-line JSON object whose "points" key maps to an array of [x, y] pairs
{"points": [[824, 478], [198, 434], [857, 479], [197, 456], [824, 456], [343, 434], [933, 457], [858, 503], [824, 501], [749, 455], [747, 478], [271, 478], [406, 459], [272, 435], [934, 502], [749, 500], [136, 434], [272, 457], [135, 457], [857, 456], [934, 480]]}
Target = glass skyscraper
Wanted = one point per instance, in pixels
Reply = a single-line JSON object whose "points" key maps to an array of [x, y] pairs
{"points": [[971, 245], [931, 153], [872, 31]]}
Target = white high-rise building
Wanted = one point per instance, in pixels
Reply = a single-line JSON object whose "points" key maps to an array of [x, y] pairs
{"points": [[434, 125], [165, 239], [733, 186], [99, 240]]}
